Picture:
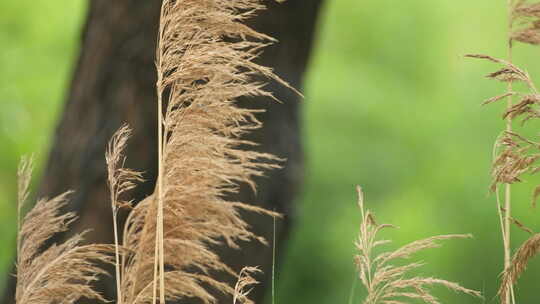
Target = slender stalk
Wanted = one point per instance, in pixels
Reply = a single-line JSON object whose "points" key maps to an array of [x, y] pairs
{"points": [[508, 187], [159, 247], [160, 206], [114, 209], [116, 252], [154, 284], [274, 261], [158, 251]]}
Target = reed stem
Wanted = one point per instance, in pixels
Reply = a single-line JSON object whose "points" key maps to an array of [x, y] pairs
{"points": [[508, 187]]}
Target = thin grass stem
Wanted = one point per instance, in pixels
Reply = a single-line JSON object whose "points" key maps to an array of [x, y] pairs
{"points": [[274, 261], [508, 187]]}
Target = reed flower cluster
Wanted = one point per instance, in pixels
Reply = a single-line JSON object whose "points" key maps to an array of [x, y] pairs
{"points": [[204, 62], [515, 155], [60, 273], [386, 282]]}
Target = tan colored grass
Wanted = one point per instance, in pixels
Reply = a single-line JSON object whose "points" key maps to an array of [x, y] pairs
{"points": [[525, 19], [204, 62], [387, 283], [120, 180], [523, 255], [515, 155], [60, 273], [245, 281]]}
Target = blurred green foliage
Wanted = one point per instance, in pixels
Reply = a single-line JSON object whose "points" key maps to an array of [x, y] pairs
{"points": [[391, 105], [38, 47]]}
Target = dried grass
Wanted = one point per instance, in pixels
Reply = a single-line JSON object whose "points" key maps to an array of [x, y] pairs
{"points": [[120, 180], [390, 284], [204, 62], [61, 273], [523, 255], [245, 280], [525, 20], [515, 155]]}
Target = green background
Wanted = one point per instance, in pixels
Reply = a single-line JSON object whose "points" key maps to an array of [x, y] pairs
{"points": [[391, 105]]}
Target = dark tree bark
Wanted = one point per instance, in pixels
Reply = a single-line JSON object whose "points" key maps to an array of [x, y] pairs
{"points": [[114, 82]]}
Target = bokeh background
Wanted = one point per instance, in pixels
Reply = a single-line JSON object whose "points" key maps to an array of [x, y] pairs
{"points": [[391, 105]]}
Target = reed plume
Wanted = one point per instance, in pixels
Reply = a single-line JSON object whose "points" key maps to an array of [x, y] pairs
{"points": [[390, 284], [514, 155], [204, 63], [61, 273], [529, 249], [245, 280], [120, 180]]}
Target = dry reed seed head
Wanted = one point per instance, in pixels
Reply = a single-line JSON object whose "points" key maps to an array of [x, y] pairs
{"points": [[24, 176], [528, 35], [521, 258], [61, 273], [524, 107], [387, 283], [508, 69], [120, 179], [498, 97], [526, 9], [245, 281], [515, 154], [525, 22], [204, 63], [506, 75]]}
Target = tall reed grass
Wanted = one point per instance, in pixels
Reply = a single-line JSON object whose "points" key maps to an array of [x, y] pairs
{"points": [[61, 273], [515, 155], [204, 62]]}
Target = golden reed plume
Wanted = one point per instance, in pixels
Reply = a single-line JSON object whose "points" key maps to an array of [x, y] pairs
{"points": [[60, 273], [204, 62], [515, 155], [387, 283]]}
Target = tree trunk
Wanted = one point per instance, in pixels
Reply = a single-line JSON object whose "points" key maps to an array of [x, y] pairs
{"points": [[114, 82]]}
